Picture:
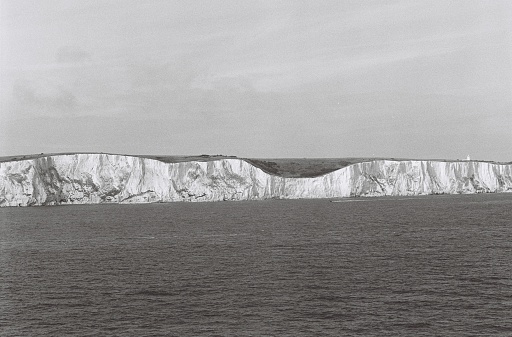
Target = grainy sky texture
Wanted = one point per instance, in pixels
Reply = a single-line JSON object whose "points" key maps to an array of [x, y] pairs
{"points": [[416, 79]]}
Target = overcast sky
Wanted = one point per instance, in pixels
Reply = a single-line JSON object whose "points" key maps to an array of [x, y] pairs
{"points": [[416, 79]]}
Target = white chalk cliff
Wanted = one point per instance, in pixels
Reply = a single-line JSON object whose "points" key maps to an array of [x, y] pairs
{"points": [[103, 178]]}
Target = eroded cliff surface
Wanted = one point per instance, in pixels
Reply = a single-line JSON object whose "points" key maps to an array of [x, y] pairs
{"points": [[102, 178]]}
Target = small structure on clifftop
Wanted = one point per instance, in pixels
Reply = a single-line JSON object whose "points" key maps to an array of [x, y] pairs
{"points": [[468, 157]]}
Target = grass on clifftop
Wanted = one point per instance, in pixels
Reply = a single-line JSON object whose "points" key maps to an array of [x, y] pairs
{"points": [[284, 167]]}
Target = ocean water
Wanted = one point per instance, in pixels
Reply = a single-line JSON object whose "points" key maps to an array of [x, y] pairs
{"points": [[423, 266]]}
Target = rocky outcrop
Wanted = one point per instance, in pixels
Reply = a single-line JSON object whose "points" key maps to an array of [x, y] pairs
{"points": [[104, 178]]}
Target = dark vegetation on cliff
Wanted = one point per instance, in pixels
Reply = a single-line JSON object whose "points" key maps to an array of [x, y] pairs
{"points": [[303, 167], [284, 167]]}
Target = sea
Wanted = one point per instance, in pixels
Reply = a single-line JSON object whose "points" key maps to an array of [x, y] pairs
{"points": [[389, 266]]}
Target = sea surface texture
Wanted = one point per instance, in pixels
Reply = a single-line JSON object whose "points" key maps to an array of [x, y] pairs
{"points": [[105, 178], [415, 266]]}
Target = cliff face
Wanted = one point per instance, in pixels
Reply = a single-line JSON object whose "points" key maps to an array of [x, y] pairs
{"points": [[98, 178]]}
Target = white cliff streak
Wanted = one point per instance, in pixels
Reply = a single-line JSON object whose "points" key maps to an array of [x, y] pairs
{"points": [[102, 178]]}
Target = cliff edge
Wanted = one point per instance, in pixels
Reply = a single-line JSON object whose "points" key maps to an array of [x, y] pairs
{"points": [[107, 178]]}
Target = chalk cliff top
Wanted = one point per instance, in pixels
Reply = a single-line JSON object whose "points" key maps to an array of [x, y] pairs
{"points": [[284, 167]]}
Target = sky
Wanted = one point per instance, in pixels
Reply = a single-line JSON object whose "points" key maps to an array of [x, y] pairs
{"points": [[263, 79]]}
